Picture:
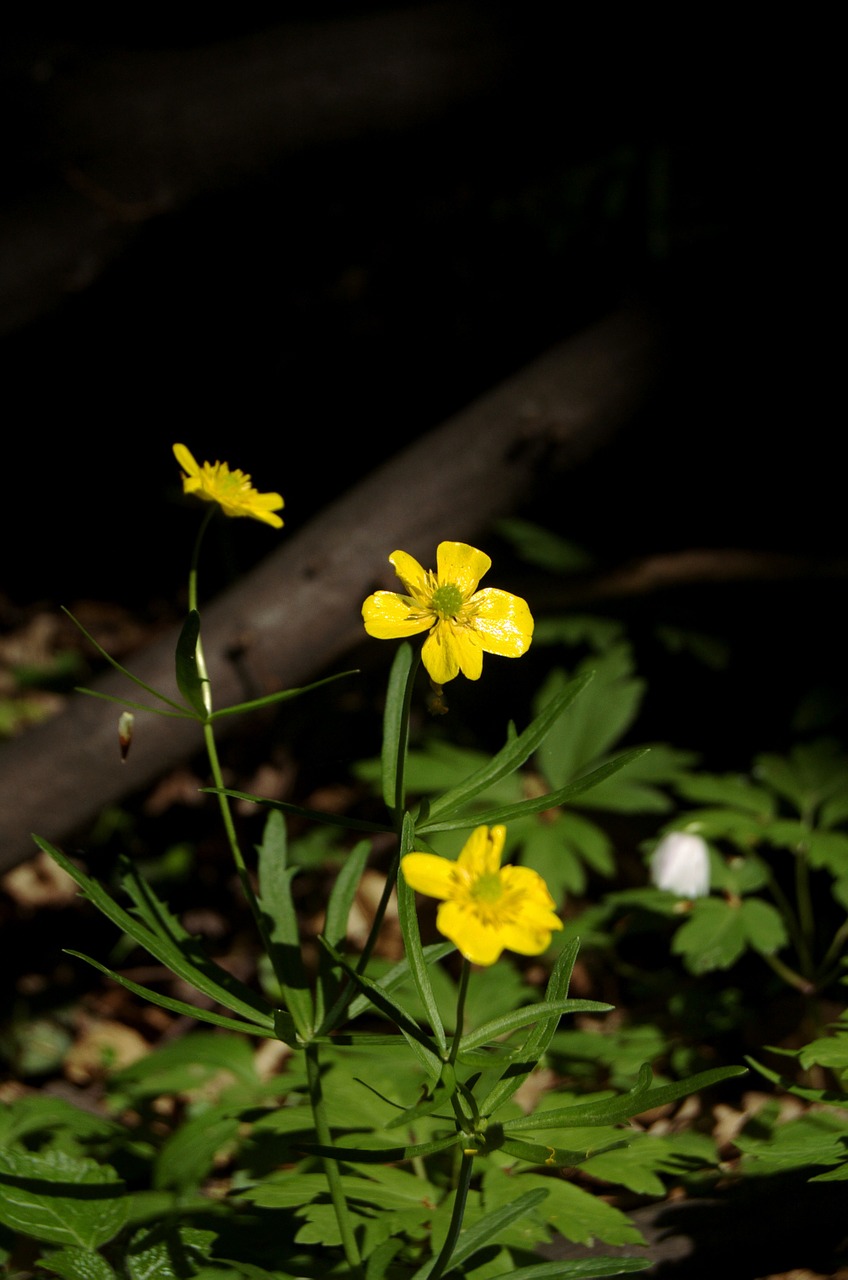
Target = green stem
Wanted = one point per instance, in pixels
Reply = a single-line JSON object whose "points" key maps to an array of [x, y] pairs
{"points": [[460, 1010], [457, 1215], [831, 964], [802, 984], [344, 997], [790, 918], [215, 766], [331, 1167]]}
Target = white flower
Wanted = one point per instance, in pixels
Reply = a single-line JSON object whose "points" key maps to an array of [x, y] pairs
{"points": [[681, 863]]}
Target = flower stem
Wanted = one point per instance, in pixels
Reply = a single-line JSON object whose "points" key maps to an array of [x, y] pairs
{"points": [[460, 1010], [457, 1215], [215, 767], [331, 1167]]}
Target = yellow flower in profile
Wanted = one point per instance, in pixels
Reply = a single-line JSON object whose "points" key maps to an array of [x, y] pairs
{"points": [[232, 490], [463, 623], [485, 907]]}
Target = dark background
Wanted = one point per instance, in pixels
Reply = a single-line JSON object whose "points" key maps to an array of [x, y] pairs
{"points": [[305, 306]]}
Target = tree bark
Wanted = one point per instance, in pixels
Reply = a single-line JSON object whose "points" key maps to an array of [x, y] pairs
{"points": [[299, 610]]}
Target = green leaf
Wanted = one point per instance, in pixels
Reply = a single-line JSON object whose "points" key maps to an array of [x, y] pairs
{"points": [[170, 943], [339, 907], [185, 1066], [408, 917], [282, 925], [192, 685], [509, 1022], [188, 1155], [123, 671], [541, 803], [604, 713], [730, 790], [396, 726], [543, 548], [527, 1057], [718, 930], [713, 937], [298, 811], [577, 1269], [574, 1213], [282, 695], [487, 1229], [60, 1199], [515, 752], [77, 1264], [639, 1099], [381, 1000], [282, 1023]]}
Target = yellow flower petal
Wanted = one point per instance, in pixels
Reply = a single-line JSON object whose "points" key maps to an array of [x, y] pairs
{"points": [[389, 616], [414, 578], [485, 907], [463, 623], [232, 490], [427, 873], [483, 850], [503, 622], [475, 939], [462, 565]]}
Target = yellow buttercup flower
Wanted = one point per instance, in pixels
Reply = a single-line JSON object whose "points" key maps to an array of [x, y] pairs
{"points": [[485, 908], [232, 490], [463, 623]]}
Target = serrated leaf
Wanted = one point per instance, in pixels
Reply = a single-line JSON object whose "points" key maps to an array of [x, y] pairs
{"points": [[573, 1212], [606, 710], [282, 925], [729, 790], [713, 937], [511, 756], [77, 1264], [60, 1199], [188, 1155]]}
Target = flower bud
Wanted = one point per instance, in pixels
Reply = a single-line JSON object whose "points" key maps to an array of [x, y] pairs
{"points": [[681, 863], [125, 733]]}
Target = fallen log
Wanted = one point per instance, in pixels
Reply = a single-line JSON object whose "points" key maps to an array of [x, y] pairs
{"points": [[299, 610]]}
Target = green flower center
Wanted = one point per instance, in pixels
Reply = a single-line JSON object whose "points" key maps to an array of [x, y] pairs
{"points": [[488, 887], [446, 600]]}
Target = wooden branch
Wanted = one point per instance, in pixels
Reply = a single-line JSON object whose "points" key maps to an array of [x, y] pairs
{"points": [[299, 611]]}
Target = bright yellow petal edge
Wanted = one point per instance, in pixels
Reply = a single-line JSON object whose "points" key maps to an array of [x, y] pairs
{"points": [[485, 908], [232, 490], [463, 623]]}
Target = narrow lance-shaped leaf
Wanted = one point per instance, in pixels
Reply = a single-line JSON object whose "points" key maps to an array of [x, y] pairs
{"points": [[396, 726], [165, 926], [412, 940], [509, 1022], [508, 813], [487, 1229], [633, 1103], [281, 923], [512, 756], [339, 906], [190, 683], [381, 1000], [536, 1044], [182, 1008], [168, 952]]}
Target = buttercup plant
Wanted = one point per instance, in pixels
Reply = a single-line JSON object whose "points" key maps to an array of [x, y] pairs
{"points": [[399, 1108]]}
